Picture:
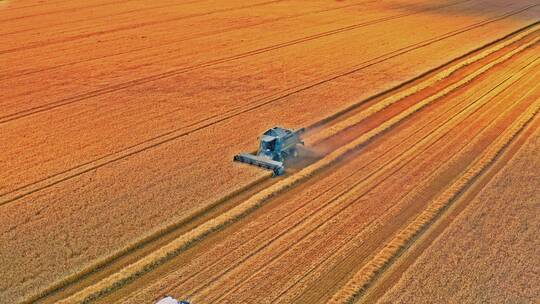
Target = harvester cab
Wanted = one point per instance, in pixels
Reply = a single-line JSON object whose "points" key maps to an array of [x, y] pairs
{"points": [[276, 145]]}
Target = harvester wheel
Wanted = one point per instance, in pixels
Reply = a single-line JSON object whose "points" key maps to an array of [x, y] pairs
{"points": [[279, 171]]}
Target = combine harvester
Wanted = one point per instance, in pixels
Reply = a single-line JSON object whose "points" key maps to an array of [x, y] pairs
{"points": [[276, 145]]}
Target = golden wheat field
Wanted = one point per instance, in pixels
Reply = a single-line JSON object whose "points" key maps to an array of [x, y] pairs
{"points": [[418, 181]]}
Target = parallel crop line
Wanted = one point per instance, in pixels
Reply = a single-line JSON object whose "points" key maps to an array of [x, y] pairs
{"points": [[175, 42], [175, 247], [90, 18], [396, 164], [194, 37], [368, 274], [39, 4], [123, 28], [119, 2], [380, 220]]}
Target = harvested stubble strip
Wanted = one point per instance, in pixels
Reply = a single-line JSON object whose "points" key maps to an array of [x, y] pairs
{"points": [[380, 221], [358, 284], [180, 244], [356, 119]]}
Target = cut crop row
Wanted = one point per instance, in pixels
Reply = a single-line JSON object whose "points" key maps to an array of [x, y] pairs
{"points": [[362, 280]]}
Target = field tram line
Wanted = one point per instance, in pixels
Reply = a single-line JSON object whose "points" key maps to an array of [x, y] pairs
{"points": [[117, 87], [212, 33], [368, 274], [119, 29], [388, 214], [174, 248], [92, 18], [7, 118], [70, 100], [40, 3], [78, 37], [90, 269], [54, 179], [321, 206], [123, 28], [221, 31], [207, 34], [401, 159]]}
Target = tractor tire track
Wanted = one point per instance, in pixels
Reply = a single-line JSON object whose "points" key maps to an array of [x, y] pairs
{"points": [[127, 27], [108, 4], [96, 17], [40, 3], [207, 34], [160, 7]]}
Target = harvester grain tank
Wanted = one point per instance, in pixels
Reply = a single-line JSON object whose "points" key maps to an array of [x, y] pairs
{"points": [[276, 145]]}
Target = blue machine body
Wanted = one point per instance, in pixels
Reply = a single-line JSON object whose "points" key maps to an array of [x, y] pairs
{"points": [[276, 145]]}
